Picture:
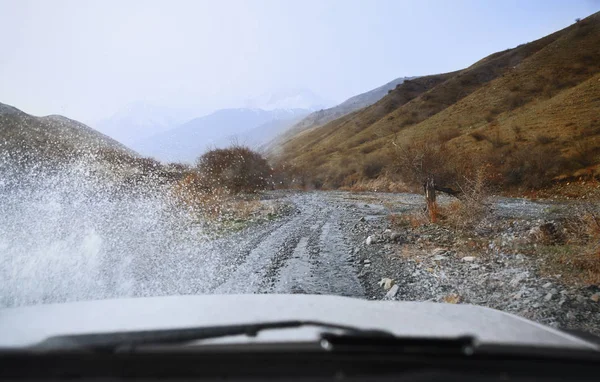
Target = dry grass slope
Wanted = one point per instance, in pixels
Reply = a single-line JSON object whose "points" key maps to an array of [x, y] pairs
{"points": [[533, 109]]}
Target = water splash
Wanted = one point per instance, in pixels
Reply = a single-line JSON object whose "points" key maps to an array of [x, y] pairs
{"points": [[74, 234]]}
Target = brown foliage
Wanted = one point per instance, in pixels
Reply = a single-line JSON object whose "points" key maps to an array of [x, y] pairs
{"points": [[236, 169]]}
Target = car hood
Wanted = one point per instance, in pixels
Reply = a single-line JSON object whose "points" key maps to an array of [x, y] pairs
{"points": [[25, 326]]}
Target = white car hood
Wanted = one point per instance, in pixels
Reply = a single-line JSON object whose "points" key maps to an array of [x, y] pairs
{"points": [[28, 325]]}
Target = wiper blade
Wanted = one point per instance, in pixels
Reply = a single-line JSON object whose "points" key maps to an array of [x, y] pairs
{"points": [[112, 342]]}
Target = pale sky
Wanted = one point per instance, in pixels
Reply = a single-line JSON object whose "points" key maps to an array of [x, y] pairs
{"points": [[85, 59]]}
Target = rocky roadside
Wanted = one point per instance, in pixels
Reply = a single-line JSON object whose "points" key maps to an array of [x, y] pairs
{"points": [[432, 263]]}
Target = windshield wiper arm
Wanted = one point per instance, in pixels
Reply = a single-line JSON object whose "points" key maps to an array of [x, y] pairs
{"points": [[111, 342]]}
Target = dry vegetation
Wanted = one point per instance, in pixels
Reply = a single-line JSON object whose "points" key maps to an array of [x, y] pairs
{"points": [[529, 114], [221, 183]]}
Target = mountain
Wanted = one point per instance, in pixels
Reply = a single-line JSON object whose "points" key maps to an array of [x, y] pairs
{"points": [[321, 117], [288, 99], [140, 120], [53, 137], [530, 112], [189, 140], [258, 137]]}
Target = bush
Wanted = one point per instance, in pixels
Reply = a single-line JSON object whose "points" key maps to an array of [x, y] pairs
{"points": [[478, 136], [415, 162], [544, 139], [533, 166], [237, 169], [372, 167]]}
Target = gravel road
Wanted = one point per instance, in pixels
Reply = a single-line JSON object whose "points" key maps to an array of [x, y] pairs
{"points": [[325, 243]]}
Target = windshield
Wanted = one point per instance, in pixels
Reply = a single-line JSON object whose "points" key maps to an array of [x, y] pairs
{"points": [[441, 152]]}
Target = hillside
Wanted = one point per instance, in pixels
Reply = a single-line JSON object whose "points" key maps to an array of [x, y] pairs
{"points": [[34, 148], [321, 117], [513, 110], [52, 137]]}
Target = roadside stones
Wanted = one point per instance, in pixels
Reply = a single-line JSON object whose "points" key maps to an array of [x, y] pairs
{"points": [[595, 297], [395, 236], [468, 258], [362, 219], [366, 261], [548, 297], [518, 278], [392, 292], [386, 283], [547, 285], [370, 240]]}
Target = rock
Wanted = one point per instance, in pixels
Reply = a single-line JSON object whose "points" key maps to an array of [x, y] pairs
{"points": [[595, 297], [391, 293], [438, 258], [386, 283], [547, 285], [370, 240], [367, 265], [518, 295], [367, 261], [548, 297], [395, 236], [439, 251], [518, 278], [468, 258], [475, 266], [362, 219]]}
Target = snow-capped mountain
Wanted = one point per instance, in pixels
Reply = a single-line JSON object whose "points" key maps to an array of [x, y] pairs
{"points": [[288, 99], [140, 120]]}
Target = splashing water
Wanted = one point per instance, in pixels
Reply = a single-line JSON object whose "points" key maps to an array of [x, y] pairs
{"points": [[69, 235]]}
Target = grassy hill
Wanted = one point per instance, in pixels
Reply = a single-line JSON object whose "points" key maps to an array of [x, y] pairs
{"points": [[528, 114], [33, 146], [321, 117]]}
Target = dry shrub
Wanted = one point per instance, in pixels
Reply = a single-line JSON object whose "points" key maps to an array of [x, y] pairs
{"points": [[544, 139], [413, 219], [478, 136], [585, 153], [193, 192], [580, 258], [372, 167], [236, 169], [212, 203], [473, 203], [416, 161], [532, 166]]}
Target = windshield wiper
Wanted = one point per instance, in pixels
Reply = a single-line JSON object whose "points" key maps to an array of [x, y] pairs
{"points": [[115, 341]]}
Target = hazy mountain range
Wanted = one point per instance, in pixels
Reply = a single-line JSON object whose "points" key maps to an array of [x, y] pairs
{"points": [[186, 142]]}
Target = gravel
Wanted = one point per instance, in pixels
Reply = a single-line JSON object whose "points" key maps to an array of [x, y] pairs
{"points": [[427, 266]]}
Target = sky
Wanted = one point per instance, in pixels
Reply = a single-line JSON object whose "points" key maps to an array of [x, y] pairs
{"points": [[86, 59]]}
